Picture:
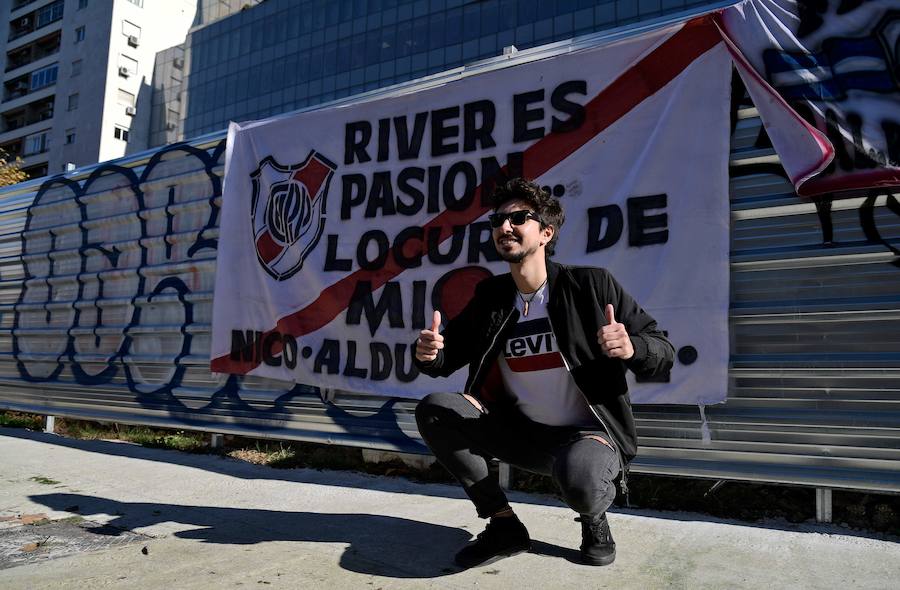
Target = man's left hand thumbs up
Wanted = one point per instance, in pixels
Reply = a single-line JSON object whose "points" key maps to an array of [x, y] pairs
{"points": [[613, 338]]}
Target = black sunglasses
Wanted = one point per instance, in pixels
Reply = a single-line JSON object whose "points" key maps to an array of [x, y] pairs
{"points": [[515, 217]]}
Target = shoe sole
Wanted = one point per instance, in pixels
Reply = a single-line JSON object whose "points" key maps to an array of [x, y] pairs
{"points": [[600, 561], [495, 558]]}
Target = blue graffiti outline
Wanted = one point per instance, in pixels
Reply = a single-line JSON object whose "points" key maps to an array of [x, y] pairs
{"points": [[383, 423], [29, 215], [106, 375]]}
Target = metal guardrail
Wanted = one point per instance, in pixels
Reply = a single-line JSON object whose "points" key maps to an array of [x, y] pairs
{"points": [[106, 279]]}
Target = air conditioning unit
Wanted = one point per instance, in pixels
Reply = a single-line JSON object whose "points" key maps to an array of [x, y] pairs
{"points": [[178, 62], [24, 22], [130, 111], [124, 71], [133, 40], [170, 126]]}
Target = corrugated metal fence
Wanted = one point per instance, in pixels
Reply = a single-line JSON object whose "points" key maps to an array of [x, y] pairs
{"points": [[106, 284]]}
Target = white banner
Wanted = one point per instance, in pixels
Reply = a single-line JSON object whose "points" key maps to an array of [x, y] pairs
{"points": [[343, 228], [824, 78]]}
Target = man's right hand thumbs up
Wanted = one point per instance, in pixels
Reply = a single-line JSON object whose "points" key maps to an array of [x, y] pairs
{"points": [[430, 341]]}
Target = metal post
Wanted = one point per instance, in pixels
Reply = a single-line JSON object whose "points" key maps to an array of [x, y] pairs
{"points": [[216, 441], [823, 505], [49, 424], [505, 475]]}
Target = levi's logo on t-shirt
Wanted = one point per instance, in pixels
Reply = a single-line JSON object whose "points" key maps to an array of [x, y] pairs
{"points": [[531, 347]]}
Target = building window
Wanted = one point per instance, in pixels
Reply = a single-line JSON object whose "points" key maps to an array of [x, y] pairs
{"points": [[47, 14], [36, 143], [131, 30], [73, 101], [127, 66], [121, 133], [125, 98], [44, 77], [76, 68], [70, 136], [82, 4], [79, 34]]}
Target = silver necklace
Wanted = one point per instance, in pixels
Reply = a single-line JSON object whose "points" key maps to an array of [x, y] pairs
{"points": [[533, 294]]}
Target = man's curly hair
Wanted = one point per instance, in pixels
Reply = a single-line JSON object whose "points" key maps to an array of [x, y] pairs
{"points": [[541, 202]]}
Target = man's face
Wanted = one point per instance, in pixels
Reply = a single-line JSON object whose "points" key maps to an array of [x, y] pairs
{"points": [[515, 243]]}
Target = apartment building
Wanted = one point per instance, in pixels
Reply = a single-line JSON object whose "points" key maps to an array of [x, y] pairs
{"points": [[77, 77]]}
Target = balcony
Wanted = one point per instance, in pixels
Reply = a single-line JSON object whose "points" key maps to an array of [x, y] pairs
{"points": [[20, 27], [35, 112], [16, 88], [35, 170], [34, 51], [29, 83], [34, 163], [17, 4], [37, 19], [20, 102], [13, 149]]}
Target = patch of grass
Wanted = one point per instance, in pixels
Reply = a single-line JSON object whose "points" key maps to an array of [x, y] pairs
{"points": [[44, 480], [298, 455], [85, 430], [294, 455], [179, 440], [279, 455], [284, 456], [12, 419], [869, 511], [149, 437], [249, 455]]}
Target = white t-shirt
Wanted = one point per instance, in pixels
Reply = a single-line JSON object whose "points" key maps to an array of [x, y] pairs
{"points": [[535, 372]]}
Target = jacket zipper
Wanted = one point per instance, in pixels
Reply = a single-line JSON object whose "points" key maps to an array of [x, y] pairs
{"points": [[624, 482], [491, 347]]}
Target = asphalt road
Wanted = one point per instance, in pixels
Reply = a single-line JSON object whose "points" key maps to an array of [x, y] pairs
{"points": [[97, 514]]}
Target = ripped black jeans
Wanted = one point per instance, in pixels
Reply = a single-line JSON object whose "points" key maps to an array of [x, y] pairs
{"points": [[460, 436]]}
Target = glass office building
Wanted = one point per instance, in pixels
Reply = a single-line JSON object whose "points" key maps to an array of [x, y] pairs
{"points": [[283, 55]]}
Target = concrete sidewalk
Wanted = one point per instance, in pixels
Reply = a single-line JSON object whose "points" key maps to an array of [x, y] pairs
{"points": [[163, 519]]}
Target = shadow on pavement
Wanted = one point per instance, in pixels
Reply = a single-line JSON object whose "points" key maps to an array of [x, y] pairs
{"points": [[379, 545], [357, 480], [240, 469], [542, 548]]}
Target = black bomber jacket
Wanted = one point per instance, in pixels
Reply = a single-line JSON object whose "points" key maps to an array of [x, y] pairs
{"points": [[578, 298]]}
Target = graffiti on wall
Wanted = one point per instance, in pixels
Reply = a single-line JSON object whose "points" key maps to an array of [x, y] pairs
{"points": [[118, 274], [869, 213], [848, 82]]}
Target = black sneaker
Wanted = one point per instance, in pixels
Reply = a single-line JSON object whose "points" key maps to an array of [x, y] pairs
{"points": [[503, 537], [597, 545]]}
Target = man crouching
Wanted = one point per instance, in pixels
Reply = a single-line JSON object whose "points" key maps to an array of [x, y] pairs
{"points": [[547, 346]]}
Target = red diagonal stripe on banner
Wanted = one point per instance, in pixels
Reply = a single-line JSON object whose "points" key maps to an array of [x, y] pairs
{"points": [[625, 93]]}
